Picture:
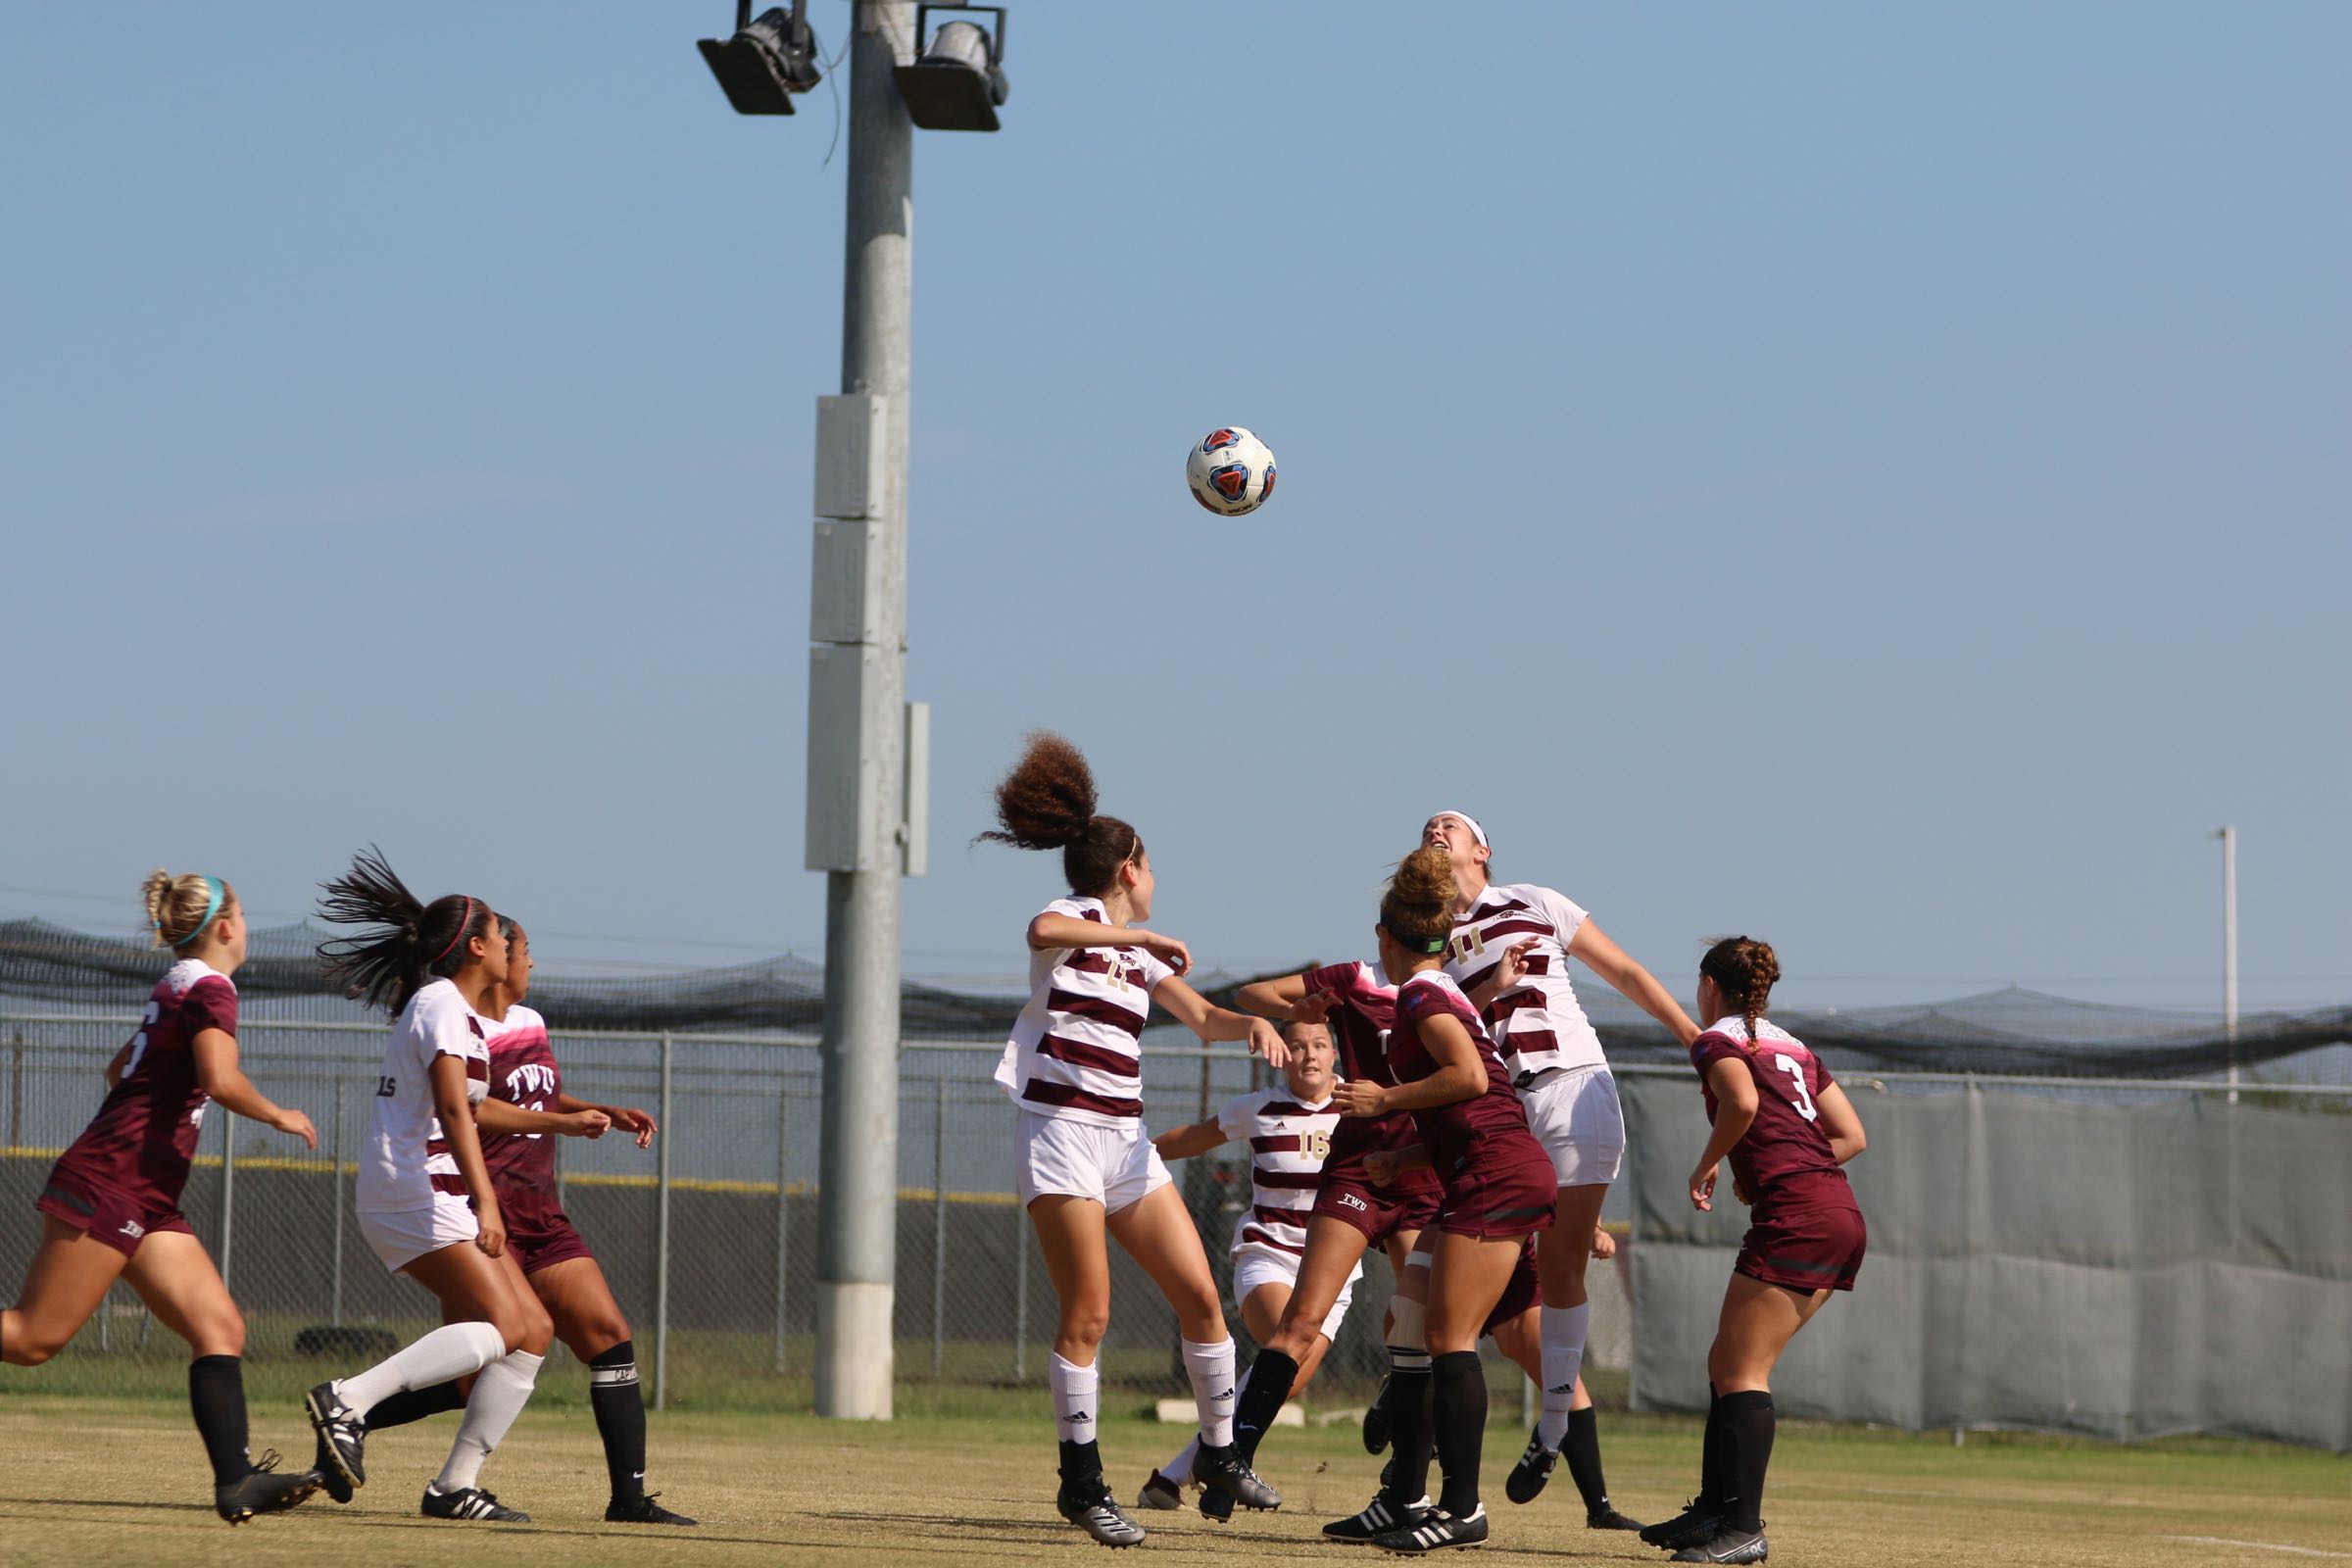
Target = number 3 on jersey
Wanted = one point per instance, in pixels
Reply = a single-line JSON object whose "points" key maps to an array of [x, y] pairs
{"points": [[1797, 1085]]}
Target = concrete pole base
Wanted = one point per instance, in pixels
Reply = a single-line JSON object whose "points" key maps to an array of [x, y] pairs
{"points": [[855, 1350]]}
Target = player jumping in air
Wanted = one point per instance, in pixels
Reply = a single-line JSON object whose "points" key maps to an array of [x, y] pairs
{"points": [[1788, 1129], [1084, 1166], [525, 1106], [110, 1206]]}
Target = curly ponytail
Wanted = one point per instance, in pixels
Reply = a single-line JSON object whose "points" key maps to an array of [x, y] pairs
{"points": [[180, 908], [414, 943], [1048, 803], [1418, 907], [1745, 970]]}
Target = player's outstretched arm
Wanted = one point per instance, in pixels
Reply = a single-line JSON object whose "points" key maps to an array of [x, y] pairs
{"points": [[218, 1075], [1183, 1143], [1049, 931], [1605, 959], [1213, 1023]]}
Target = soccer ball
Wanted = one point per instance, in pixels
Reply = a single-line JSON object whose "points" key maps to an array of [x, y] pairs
{"points": [[1230, 470]]}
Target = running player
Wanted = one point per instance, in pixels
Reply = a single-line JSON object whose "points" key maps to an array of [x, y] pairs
{"points": [[1288, 1128], [1497, 1184], [1353, 1211], [524, 1107], [1788, 1129], [434, 966], [110, 1206], [1084, 1165], [1510, 953]]}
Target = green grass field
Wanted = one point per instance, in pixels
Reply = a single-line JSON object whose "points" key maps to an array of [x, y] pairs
{"points": [[86, 1481]]}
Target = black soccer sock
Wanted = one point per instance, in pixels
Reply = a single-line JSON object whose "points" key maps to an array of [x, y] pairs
{"points": [[1406, 1387], [1270, 1378], [619, 1406], [1582, 1450], [1714, 1449], [1458, 1399], [415, 1405], [216, 1398], [1081, 1463], [1748, 1418], [1412, 1432]]}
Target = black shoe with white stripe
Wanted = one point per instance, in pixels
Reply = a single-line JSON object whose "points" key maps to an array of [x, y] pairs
{"points": [[1729, 1545], [1092, 1510], [641, 1509], [1700, 1521], [1436, 1532], [471, 1502], [342, 1432], [264, 1489], [1380, 1516], [1531, 1471]]}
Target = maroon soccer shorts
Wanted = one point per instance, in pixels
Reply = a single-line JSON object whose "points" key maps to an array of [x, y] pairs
{"points": [[541, 1236], [106, 1214], [1509, 1193], [1806, 1250], [1525, 1290], [1409, 1204]]}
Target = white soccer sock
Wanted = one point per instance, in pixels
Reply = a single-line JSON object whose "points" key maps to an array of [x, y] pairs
{"points": [[1180, 1468], [1564, 1330], [1210, 1367], [1074, 1388], [450, 1351], [498, 1397]]}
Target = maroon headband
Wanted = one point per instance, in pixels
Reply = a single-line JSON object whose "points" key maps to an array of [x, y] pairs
{"points": [[463, 922]]}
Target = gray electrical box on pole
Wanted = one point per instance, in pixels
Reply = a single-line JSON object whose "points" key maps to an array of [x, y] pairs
{"points": [[868, 748]]}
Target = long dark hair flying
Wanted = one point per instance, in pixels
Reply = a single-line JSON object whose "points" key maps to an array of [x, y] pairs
{"points": [[414, 943]]}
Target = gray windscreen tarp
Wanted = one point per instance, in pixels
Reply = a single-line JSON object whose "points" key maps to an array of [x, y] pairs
{"points": [[2127, 1271]]}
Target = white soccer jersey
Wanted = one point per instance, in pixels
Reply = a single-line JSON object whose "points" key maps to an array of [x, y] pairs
{"points": [[1288, 1144], [1538, 1023], [407, 1164], [1075, 1051]]}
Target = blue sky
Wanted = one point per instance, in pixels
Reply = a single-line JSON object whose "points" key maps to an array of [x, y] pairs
{"points": [[1875, 477]]}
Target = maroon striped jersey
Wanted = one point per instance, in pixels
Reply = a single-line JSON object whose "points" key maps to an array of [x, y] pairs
{"points": [[1455, 1134], [144, 1135], [1288, 1144], [1076, 1050], [1783, 1159], [523, 1074]]}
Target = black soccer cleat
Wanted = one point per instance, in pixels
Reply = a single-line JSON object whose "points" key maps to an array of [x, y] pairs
{"points": [[1436, 1531], [642, 1509], [1226, 1474], [1090, 1509], [342, 1434], [1380, 1516], [1606, 1517], [471, 1502], [1531, 1471], [1729, 1545], [264, 1489], [1698, 1521], [1376, 1419]]}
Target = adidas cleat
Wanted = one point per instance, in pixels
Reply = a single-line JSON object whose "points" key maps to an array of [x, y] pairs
{"points": [[1227, 1475], [1606, 1517], [1376, 1418], [1698, 1521], [1436, 1530], [1729, 1545], [342, 1432], [1531, 1471], [1380, 1516], [470, 1503], [1160, 1493], [1092, 1510], [264, 1489], [641, 1509]]}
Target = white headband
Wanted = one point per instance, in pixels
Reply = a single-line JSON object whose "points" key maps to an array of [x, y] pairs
{"points": [[1476, 832]]}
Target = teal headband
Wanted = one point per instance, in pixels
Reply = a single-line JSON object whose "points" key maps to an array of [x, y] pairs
{"points": [[210, 909]]}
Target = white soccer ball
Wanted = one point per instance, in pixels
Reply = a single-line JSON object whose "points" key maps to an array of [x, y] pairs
{"points": [[1230, 470]]}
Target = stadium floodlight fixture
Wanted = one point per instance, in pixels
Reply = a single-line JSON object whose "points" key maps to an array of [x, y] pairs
{"points": [[769, 59], [958, 81]]}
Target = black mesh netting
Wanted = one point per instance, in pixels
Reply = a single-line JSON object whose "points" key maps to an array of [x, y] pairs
{"points": [[2009, 1031]]}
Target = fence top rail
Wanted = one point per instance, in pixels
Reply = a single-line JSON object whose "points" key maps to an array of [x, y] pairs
{"points": [[1209, 1052]]}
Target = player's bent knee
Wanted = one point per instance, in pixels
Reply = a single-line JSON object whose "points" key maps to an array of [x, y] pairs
{"points": [[31, 1350]]}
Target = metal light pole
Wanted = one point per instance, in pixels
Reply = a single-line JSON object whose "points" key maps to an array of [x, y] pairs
{"points": [[2229, 838], [865, 809]]}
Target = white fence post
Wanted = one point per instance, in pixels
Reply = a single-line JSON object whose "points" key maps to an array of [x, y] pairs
{"points": [[661, 1241]]}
